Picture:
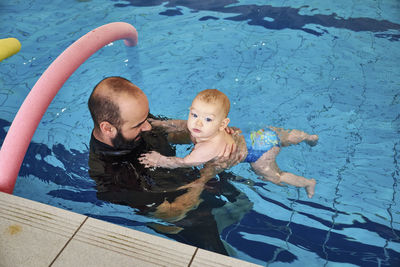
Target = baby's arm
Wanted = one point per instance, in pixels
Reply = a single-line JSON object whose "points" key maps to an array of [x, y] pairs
{"points": [[198, 156]]}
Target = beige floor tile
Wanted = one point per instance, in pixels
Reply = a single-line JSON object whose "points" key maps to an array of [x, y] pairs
{"points": [[99, 243], [206, 258], [32, 234]]}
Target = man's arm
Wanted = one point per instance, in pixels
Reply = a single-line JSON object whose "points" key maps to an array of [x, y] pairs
{"points": [[176, 210], [177, 130], [233, 155], [169, 125], [191, 199]]}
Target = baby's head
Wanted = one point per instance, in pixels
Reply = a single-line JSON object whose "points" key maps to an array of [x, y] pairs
{"points": [[217, 98], [208, 114]]}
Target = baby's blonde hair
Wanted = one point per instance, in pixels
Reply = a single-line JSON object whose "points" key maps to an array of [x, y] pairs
{"points": [[215, 96]]}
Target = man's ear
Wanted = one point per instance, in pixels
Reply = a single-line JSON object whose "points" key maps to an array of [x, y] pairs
{"points": [[107, 129], [224, 124]]}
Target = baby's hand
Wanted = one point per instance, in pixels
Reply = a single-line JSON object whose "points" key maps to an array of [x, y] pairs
{"points": [[150, 159]]}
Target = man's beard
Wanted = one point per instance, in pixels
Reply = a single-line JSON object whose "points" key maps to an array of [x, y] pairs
{"points": [[121, 143]]}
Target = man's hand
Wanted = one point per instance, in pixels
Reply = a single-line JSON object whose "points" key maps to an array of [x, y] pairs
{"points": [[232, 154], [233, 130]]}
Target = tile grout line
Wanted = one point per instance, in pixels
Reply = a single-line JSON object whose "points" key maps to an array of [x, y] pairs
{"points": [[66, 244], [194, 254]]}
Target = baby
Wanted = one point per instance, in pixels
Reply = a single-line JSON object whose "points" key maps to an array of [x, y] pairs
{"points": [[207, 122]]}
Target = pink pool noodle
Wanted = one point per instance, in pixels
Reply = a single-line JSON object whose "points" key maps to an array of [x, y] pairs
{"points": [[36, 103]]}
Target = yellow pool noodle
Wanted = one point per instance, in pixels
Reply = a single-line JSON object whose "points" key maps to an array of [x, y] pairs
{"points": [[9, 47]]}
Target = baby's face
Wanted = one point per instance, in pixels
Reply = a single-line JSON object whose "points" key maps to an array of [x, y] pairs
{"points": [[205, 119]]}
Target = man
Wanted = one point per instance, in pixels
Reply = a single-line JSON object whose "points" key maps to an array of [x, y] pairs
{"points": [[122, 132]]}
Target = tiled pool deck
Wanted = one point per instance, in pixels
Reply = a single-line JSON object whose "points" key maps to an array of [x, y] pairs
{"points": [[35, 234]]}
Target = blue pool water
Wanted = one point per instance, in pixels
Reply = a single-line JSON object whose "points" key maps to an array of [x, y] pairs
{"points": [[327, 67]]}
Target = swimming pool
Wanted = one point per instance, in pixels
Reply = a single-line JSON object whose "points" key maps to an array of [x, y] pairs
{"points": [[326, 68]]}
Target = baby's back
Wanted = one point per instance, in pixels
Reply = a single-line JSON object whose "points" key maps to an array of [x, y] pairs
{"points": [[221, 142], [208, 150]]}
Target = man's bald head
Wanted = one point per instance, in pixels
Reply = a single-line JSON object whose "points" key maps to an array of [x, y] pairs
{"points": [[104, 102]]}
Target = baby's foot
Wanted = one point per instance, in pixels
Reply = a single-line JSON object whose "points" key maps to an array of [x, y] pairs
{"points": [[312, 140], [311, 188]]}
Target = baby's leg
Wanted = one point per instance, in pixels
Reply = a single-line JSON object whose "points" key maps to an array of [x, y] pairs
{"points": [[293, 137], [266, 166]]}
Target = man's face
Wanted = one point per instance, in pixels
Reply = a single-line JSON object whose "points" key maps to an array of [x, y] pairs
{"points": [[134, 112], [120, 142]]}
